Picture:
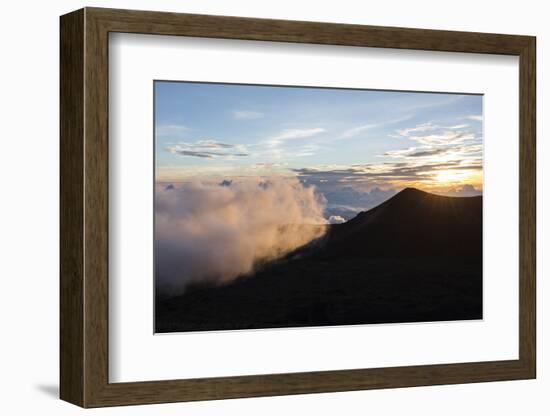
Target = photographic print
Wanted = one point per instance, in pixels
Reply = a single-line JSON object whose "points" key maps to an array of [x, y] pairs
{"points": [[290, 206]]}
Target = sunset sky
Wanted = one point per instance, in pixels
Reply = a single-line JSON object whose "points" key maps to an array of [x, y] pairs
{"points": [[339, 140]]}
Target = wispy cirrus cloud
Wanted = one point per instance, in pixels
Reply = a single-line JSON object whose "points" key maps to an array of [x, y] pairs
{"points": [[278, 152], [247, 115], [355, 131], [399, 153], [444, 138], [208, 149], [436, 135], [358, 130], [437, 143], [474, 117], [410, 131], [171, 130], [290, 134]]}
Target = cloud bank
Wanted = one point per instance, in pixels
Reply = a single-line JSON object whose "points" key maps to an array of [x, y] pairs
{"points": [[212, 233], [208, 149], [465, 190]]}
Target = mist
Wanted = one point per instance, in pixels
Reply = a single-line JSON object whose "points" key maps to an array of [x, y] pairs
{"points": [[214, 233]]}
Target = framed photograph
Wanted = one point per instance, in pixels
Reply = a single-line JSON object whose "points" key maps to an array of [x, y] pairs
{"points": [[254, 207]]}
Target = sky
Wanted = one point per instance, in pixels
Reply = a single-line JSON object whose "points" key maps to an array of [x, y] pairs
{"points": [[348, 143]]}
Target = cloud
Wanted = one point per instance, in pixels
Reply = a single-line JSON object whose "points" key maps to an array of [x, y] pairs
{"points": [[266, 165], [436, 145], [454, 151], [212, 233], [436, 135], [247, 115], [445, 138], [431, 152], [418, 128], [282, 153], [336, 219], [474, 117], [347, 197], [182, 152], [305, 150], [212, 144], [171, 130], [399, 153], [468, 151], [465, 190], [290, 134], [388, 174], [208, 149], [357, 130]]}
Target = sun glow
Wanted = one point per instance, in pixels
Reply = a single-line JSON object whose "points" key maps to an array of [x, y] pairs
{"points": [[451, 176], [448, 179]]}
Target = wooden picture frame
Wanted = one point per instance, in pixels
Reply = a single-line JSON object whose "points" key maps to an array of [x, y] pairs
{"points": [[84, 207]]}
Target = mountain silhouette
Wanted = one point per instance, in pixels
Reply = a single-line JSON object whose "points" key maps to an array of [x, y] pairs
{"points": [[412, 223], [416, 257]]}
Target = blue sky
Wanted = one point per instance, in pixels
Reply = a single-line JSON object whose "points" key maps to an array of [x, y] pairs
{"points": [[339, 137]]}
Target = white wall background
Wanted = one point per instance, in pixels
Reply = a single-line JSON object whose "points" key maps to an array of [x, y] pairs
{"points": [[29, 84]]}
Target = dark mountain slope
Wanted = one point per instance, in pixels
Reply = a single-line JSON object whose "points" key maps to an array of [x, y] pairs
{"points": [[416, 257], [412, 223]]}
